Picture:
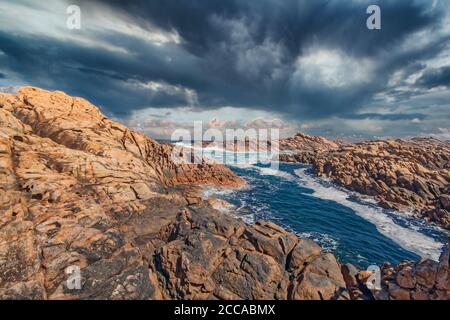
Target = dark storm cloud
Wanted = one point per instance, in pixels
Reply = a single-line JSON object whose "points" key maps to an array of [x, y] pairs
{"points": [[209, 32], [435, 78], [389, 117], [292, 22], [238, 53], [2, 76], [109, 79]]}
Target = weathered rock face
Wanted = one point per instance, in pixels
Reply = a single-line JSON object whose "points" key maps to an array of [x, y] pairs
{"points": [[213, 256], [422, 280], [78, 125], [78, 190], [401, 174]]}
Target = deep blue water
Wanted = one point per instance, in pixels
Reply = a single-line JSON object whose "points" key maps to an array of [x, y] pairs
{"points": [[355, 230]]}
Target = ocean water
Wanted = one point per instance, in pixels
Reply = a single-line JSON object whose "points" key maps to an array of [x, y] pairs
{"points": [[354, 228]]}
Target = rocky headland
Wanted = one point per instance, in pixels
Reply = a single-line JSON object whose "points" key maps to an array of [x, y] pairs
{"points": [[305, 143], [407, 175], [80, 190]]}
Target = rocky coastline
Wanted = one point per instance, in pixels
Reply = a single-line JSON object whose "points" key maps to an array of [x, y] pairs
{"points": [[80, 190], [407, 175]]}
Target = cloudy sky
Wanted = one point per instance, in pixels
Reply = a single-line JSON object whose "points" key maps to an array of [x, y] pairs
{"points": [[298, 65]]}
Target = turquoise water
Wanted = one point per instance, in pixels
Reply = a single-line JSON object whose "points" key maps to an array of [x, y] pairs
{"points": [[356, 230]]}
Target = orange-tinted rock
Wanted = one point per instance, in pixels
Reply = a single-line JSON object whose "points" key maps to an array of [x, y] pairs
{"points": [[321, 280], [421, 280], [304, 142]]}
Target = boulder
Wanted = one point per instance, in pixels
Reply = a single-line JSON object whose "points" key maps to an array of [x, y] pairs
{"points": [[405, 278]]}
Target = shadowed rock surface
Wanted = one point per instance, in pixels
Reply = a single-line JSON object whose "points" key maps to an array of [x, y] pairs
{"points": [[407, 175]]}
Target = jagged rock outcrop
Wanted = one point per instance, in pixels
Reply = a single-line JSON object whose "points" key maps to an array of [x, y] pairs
{"points": [[421, 280], [78, 190], [409, 175], [303, 142], [213, 256]]}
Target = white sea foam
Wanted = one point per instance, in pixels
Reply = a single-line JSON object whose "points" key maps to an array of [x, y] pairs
{"points": [[232, 210], [410, 240], [275, 172], [267, 171], [209, 191], [327, 242], [244, 212], [244, 165]]}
